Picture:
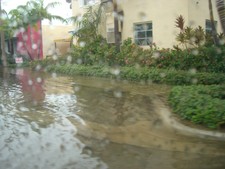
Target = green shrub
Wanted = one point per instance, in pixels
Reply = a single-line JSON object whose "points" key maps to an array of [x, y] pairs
{"points": [[165, 76], [203, 59], [94, 52], [200, 104]]}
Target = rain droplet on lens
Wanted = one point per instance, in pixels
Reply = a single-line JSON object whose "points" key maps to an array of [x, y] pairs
{"points": [[38, 67], [82, 44], [162, 75], [156, 55], [30, 82], [76, 88], [115, 71], [195, 52], [55, 57], [117, 94], [69, 58], [79, 61], [54, 75], [142, 16], [194, 81], [34, 46], [192, 71], [39, 80]]}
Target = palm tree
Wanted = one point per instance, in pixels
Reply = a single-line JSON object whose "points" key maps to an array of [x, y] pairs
{"points": [[116, 25], [28, 15], [221, 11], [4, 61], [214, 32]]}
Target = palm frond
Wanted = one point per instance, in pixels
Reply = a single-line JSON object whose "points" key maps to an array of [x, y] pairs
{"points": [[52, 5], [179, 23]]}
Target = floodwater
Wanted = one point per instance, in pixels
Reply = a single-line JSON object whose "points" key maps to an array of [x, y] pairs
{"points": [[49, 121]]}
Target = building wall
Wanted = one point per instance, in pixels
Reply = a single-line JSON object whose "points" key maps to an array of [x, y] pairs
{"points": [[29, 42], [199, 11], [162, 14], [51, 33]]}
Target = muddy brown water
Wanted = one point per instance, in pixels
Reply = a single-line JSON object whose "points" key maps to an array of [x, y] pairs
{"points": [[49, 121]]}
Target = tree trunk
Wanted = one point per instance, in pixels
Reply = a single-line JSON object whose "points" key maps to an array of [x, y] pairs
{"points": [[116, 26], [214, 32], [221, 12], [4, 62]]}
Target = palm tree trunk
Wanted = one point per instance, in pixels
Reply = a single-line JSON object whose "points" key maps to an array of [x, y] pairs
{"points": [[221, 12], [2, 40], [214, 32], [116, 26]]}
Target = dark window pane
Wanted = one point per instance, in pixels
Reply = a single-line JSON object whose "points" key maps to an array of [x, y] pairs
{"points": [[149, 34], [149, 26], [141, 35]]}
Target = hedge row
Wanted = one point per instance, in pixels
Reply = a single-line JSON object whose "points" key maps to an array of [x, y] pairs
{"points": [[171, 77], [200, 104]]}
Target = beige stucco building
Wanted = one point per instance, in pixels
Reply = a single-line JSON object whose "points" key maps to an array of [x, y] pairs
{"points": [[147, 21], [56, 39]]}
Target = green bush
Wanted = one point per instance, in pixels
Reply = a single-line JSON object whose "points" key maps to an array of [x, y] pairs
{"points": [[98, 52], [94, 52], [200, 104], [203, 59], [165, 76]]}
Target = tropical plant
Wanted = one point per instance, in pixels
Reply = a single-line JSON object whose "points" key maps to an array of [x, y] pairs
{"points": [[190, 37], [3, 53], [28, 15], [87, 25]]}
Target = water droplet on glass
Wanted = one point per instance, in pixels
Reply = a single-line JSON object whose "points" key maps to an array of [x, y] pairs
{"points": [[30, 82], [76, 88], [79, 61], [156, 55], [162, 75], [82, 44], [117, 94], [55, 57], [142, 16], [54, 75], [115, 71], [69, 58], [34, 46], [39, 80], [38, 67], [194, 81], [195, 52], [192, 71]]}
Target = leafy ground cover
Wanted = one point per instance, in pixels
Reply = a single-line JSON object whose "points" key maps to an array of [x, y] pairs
{"points": [[200, 104]]}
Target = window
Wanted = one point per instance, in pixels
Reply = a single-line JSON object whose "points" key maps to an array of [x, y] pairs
{"points": [[110, 35], [86, 2], [208, 26], [143, 34]]}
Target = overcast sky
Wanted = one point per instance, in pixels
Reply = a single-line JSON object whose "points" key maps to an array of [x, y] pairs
{"points": [[63, 9]]}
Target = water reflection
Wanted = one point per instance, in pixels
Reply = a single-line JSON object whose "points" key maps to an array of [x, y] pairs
{"points": [[85, 123], [32, 86]]}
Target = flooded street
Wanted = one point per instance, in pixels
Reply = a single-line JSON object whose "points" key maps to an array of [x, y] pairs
{"points": [[48, 121]]}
